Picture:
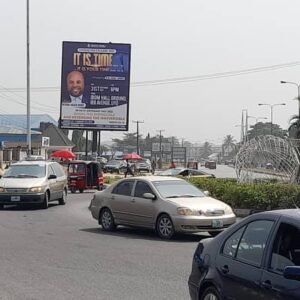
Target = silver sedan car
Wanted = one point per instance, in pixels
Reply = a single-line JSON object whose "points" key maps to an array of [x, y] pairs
{"points": [[166, 204]]}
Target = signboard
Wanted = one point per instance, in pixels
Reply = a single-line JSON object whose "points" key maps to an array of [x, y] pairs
{"points": [[95, 86], [179, 153], [45, 141], [155, 147]]}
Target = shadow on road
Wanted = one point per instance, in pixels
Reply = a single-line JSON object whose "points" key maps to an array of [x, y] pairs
{"points": [[145, 234], [26, 207]]}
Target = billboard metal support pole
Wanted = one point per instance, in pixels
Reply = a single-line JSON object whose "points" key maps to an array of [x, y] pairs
{"points": [[28, 85]]}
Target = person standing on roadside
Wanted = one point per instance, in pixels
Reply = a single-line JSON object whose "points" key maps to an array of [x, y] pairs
{"points": [[128, 169]]}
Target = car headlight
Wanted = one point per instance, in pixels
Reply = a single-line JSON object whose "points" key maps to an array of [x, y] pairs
{"points": [[2, 189], [37, 189], [185, 211], [228, 210]]}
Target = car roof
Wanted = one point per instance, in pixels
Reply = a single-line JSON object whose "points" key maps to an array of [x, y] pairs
{"points": [[293, 212], [153, 178], [33, 162]]}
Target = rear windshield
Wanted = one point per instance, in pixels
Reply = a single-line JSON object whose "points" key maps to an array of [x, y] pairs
{"points": [[23, 171]]}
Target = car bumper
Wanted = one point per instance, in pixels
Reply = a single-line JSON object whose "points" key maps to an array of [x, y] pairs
{"points": [[20, 199], [200, 223]]}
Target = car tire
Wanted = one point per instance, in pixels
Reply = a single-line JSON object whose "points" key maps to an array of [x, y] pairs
{"points": [[63, 199], [210, 293], [45, 203], [214, 233], [164, 227], [106, 220], [81, 190], [73, 190]]}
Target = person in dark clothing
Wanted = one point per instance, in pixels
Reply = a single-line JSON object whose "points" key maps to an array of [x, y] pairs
{"points": [[128, 169]]}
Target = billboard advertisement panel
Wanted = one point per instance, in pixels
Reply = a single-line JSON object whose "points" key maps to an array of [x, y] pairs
{"points": [[95, 86]]}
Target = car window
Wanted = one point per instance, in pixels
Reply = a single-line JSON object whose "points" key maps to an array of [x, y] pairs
{"points": [[141, 188], [123, 188], [253, 242], [51, 171], [76, 168], [286, 248], [58, 169], [231, 244]]}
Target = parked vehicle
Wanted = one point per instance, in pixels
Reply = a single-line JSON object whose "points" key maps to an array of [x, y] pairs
{"points": [[33, 182], [167, 204], [185, 172], [115, 166], [143, 165], [257, 258], [210, 164], [83, 175]]}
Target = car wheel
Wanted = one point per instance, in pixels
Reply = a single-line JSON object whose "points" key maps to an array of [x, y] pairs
{"points": [[106, 220], [165, 227], [63, 199], [73, 190], [46, 201], [214, 233], [81, 190], [210, 293]]}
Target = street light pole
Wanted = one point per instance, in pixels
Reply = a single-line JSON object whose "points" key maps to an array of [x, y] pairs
{"points": [[271, 107], [298, 89]]}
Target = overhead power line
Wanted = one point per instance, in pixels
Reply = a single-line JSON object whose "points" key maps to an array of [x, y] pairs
{"points": [[179, 79]]}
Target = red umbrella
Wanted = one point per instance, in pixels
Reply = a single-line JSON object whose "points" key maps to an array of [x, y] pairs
{"points": [[132, 156], [66, 154]]}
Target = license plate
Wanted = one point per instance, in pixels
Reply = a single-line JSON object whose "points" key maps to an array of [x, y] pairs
{"points": [[15, 198], [216, 223]]}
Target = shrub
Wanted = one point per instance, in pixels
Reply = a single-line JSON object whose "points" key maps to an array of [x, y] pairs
{"points": [[262, 196]]}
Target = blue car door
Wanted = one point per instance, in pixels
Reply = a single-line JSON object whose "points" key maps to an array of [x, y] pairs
{"points": [[240, 262], [284, 252]]}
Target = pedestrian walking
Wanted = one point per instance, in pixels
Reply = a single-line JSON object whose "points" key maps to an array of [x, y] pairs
{"points": [[128, 169]]}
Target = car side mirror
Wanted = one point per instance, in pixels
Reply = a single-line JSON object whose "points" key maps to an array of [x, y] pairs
{"points": [[292, 272], [149, 196], [52, 176], [206, 193]]}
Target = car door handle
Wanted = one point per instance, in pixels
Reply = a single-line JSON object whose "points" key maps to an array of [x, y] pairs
{"points": [[132, 200], [225, 269], [267, 284], [112, 197]]}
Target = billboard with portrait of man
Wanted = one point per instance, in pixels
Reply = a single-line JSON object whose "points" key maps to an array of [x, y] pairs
{"points": [[95, 86]]}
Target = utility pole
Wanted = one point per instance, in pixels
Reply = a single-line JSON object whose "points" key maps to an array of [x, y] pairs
{"points": [[137, 135], [160, 140]]}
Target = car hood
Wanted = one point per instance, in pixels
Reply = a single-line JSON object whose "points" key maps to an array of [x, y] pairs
{"points": [[197, 203], [21, 182]]}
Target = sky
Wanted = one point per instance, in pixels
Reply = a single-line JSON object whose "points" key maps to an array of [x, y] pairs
{"points": [[228, 56]]}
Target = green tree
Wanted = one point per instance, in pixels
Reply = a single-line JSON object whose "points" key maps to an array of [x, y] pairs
{"points": [[265, 129], [294, 128], [207, 150]]}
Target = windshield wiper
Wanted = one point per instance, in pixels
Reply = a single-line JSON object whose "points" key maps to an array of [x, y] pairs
{"points": [[26, 176], [182, 196]]}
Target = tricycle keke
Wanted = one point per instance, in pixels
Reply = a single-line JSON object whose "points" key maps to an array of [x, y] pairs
{"points": [[83, 175]]}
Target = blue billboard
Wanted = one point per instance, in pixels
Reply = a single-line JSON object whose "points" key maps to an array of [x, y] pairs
{"points": [[95, 86]]}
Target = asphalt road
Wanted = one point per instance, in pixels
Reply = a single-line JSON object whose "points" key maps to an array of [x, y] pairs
{"points": [[62, 253]]}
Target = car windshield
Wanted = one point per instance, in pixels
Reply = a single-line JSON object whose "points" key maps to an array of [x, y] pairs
{"points": [[170, 172], [25, 171], [177, 189]]}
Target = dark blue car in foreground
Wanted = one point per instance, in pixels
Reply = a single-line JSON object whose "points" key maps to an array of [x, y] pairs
{"points": [[257, 258]]}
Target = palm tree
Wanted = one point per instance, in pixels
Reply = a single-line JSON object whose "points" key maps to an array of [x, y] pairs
{"points": [[228, 145]]}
